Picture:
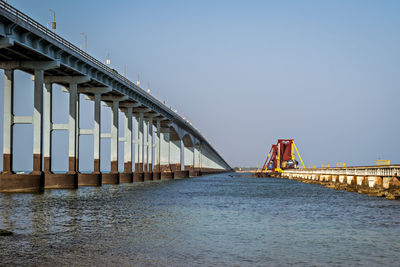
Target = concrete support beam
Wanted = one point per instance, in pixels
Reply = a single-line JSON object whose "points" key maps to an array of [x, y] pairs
{"points": [[165, 168], [157, 137], [175, 154], [145, 145], [37, 122], [47, 127], [33, 182], [139, 153], [66, 79], [72, 131], [95, 178], [150, 145], [127, 176], [6, 42], [7, 120], [34, 65], [97, 132], [148, 173], [114, 137], [188, 157]]}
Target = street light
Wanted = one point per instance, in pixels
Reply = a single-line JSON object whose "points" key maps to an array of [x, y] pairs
{"points": [[108, 59], [53, 24], [85, 36]]}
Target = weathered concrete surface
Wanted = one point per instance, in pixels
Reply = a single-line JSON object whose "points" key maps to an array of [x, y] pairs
{"points": [[148, 176], [21, 183], [110, 178], [167, 175], [138, 176], [378, 186], [126, 177], [89, 179], [60, 181], [181, 174], [156, 175]]}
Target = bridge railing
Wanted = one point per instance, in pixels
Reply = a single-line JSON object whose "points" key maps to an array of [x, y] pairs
{"points": [[33, 23], [20, 16], [393, 170]]}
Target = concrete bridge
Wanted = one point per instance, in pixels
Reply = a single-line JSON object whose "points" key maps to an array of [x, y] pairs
{"points": [[165, 145], [381, 181]]}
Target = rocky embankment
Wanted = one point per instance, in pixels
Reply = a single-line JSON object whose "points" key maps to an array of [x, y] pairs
{"points": [[378, 186]]}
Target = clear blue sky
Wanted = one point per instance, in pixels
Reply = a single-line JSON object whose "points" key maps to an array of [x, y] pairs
{"points": [[326, 73]]}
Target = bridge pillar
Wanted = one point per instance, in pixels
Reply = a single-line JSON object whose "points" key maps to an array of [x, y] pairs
{"points": [[197, 159], [165, 168], [8, 104], [127, 175], [113, 176], [94, 178], [156, 168], [139, 175], [33, 182], [177, 151], [188, 158], [145, 145], [175, 154], [52, 180], [148, 174]]}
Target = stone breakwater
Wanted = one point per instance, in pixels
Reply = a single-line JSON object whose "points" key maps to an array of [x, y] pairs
{"points": [[372, 185]]}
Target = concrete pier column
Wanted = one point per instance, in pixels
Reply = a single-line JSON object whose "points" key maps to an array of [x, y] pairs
{"points": [[175, 154], [375, 186], [165, 168], [197, 159], [94, 178], [151, 145], [96, 133], [8, 103], [156, 168], [72, 129], [47, 127], [127, 175], [52, 180], [189, 158], [33, 182], [62, 180], [351, 183], [148, 175], [145, 145], [392, 187], [179, 173], [37, 122], [113, 176], [139, 175]]}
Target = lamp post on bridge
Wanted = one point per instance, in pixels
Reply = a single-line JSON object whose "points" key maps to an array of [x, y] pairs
{"points": [[85, 36], [53, 24]]}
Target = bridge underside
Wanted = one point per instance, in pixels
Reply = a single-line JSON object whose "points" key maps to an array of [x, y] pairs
{"points": [[158, 143]]}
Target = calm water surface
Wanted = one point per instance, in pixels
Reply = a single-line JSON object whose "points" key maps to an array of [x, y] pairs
{"points": [[215, 220]]}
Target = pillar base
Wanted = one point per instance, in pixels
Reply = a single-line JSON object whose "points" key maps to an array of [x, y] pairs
{"points": [[167, 175], [148, 176], [194, 173], [126, 177], [89, 179], [156, 175], [181, 174], [21, 183], [138, 176], [60, 181], [110, 178]]}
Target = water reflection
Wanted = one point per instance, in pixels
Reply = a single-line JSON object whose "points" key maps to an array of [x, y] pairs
{"points": [[214, 220]]}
